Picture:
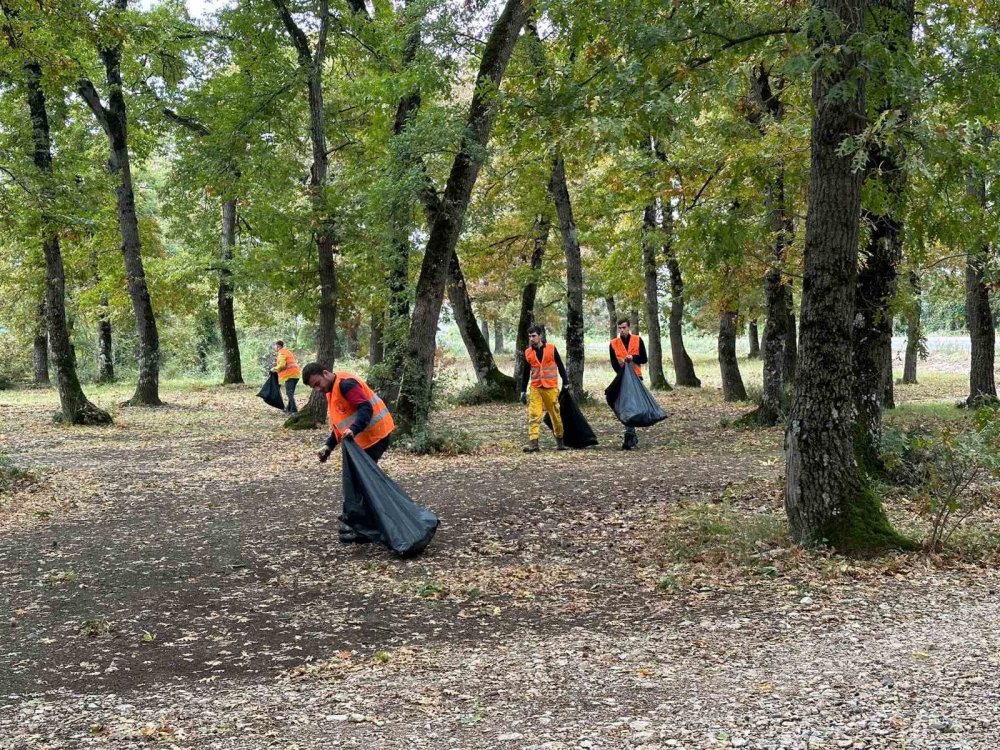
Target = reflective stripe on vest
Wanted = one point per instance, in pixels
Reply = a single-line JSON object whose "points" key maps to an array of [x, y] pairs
{"points": [[342, 413], [632, 351], [544, 374]]}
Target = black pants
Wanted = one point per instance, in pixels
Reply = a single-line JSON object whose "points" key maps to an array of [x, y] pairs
{"points": [[290, 392], [347, 534]]}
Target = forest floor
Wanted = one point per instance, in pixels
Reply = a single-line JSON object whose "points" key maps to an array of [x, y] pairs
{"points": [[176, 581]]}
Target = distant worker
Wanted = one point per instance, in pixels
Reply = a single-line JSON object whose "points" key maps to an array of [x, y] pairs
{"points": [[356, 413], [543, 370], [628, 349], [288, 373]]}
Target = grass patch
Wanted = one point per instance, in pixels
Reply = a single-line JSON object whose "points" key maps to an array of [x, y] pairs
{"points": [[443, 440], [721, 535], [12, 477]]}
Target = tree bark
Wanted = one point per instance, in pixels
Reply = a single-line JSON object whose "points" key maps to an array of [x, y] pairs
{"points": [[978, 312], [414, 402], [105, 353], [526, 317], [231, 366], [877, 277], [475, 338], [913, 332], [75, 408], [633, 317], [113, 119], [732, 380], [684, 373], [791, 346], [41, 348], [824, 497], [376, 347], [498, 338], [484, 326], [753, 337], [612, 316], [575, 352], [654, 350]]}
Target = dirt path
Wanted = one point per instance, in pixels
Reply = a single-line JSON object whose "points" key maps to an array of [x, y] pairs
{"points": [[197, 595]]}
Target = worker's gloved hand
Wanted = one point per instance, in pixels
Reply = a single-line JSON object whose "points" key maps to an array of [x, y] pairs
{"points": [[524, 397], [324, 454]]}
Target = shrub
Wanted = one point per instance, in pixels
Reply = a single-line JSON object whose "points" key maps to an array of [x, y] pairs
{"points": [[443, 440], [478, 394]]}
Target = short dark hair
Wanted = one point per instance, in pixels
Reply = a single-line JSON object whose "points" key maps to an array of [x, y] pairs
{"points": [[311, 369], [535, 329], [280, 343], [625, 320]]}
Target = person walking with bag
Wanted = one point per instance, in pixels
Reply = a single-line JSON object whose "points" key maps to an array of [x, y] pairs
{"points": [[288, 373], [544, 368], [628, 350]]}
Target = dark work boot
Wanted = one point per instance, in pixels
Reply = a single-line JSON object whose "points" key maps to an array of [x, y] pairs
{"points": [[560, 446], [531, 447], [347, 535]]}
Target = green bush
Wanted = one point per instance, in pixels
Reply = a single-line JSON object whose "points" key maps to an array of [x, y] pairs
{"points": [[478, 394], [443, 440]]}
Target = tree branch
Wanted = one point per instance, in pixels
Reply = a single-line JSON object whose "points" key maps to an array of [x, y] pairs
{"points": [[186, 122], [88, 92], [299, 39]]}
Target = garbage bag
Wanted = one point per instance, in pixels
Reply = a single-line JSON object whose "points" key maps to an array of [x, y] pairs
{"points": [[576, 429], [271, 392], [631, 401], [376, 508]]}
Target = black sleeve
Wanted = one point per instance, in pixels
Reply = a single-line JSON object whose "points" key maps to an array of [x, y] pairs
{"points": [[524, 374], [562, 368], [331, 440], [363, 414], [642, 358], [614, 359]]}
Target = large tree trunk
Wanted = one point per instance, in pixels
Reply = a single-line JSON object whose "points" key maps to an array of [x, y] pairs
{"points": [[978, 313], [526, 317], [475, 339], [484, 327], [415, 397], [633, 318], [825, 499], [732, 380], [105, 352], [114, 120], [982, 335], [231, 366], [654, 350], [41, 348], [498, 338], [684, 373], [575, 351], [75, 407], [376, 346], [753, 339], [609, 301], [791, 344], [913, 332]]}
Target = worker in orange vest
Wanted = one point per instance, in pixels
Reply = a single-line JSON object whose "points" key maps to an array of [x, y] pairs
{"points": [[355, 413], [627, 349], [288, 373], [544, 368]]}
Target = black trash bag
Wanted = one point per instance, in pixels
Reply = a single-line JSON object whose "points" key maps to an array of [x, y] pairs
{"points": [[376, 508], [576, 429], [631, 401], [271, 392]]}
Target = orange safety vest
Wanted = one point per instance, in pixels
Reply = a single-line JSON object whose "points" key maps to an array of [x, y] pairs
{"points": [[632, 351], [291, 368], [341, 412], [544, 374]]}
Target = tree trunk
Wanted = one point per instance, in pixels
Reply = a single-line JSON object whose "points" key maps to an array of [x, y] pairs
{"points": [[41, 348], [978, 313], [753, 336], [484, 327], [684, 373], [612, 316], [913, 332], [633, 317], [376, 348], [114, 120], [824, 496], [732, 381], [105, 353], [526, 317], [75, 407], [650, 235], [414, 403], [575, 352], [498, 338], [231, 366], [791, 344], [475, 339], [877, 277]]}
